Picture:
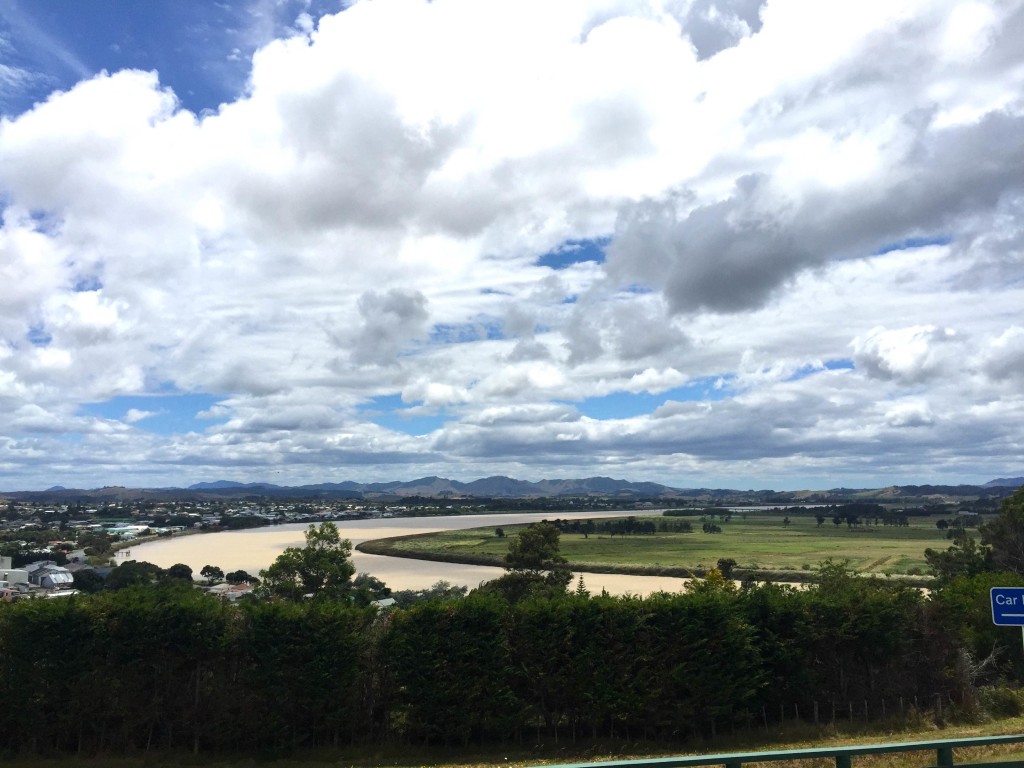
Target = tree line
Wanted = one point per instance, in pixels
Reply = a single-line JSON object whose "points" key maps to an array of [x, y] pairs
{"points": [[164, 667], [168, 668]]}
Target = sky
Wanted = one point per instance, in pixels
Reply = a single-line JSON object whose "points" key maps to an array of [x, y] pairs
{"points": [[707, 243]]}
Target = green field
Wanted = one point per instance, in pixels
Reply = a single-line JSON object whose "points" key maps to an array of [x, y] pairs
{"points": [[761, 541]]}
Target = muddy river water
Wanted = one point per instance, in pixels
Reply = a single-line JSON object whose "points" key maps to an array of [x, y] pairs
{"points": [[254, 549]]}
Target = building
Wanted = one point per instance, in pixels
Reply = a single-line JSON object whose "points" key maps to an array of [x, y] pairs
{"points": [[46, 574]]}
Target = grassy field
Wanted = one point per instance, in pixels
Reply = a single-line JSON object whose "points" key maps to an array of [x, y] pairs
{"points": [[761, 541]]}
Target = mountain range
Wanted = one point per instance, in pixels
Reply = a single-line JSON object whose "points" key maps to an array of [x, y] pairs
{"points": [[501, 487]]}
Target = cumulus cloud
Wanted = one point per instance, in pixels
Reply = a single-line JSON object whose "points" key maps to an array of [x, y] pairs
{"points": [[134, 415], [1003, 358], [364, 223], [907, 355], [390, 321]]}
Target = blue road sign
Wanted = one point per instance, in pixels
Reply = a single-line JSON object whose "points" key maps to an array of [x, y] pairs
{"points": [[1008, 606]]}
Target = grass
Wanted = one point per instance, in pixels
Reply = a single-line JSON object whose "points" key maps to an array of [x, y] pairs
{"points": [[760, 542], [793, 736]]}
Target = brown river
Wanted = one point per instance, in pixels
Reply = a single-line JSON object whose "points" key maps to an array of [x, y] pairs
{"points": [[255, 549]]}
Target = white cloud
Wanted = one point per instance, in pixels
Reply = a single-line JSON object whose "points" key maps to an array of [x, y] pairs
{"points": [[365, 220], [134, 415], [908, 355]]}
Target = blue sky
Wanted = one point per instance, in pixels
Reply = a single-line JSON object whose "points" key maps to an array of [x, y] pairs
{"points": [[162, 414], [706, 243], [201, 49]]}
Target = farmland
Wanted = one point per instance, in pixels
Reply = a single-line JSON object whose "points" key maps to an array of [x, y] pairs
{"points": [[760, 541]]}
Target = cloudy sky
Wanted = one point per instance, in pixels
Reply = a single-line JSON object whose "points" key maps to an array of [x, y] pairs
{"points": [[724, 243]]}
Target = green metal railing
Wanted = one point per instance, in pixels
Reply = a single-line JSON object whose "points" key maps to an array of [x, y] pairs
{"points": [[842, 755]]}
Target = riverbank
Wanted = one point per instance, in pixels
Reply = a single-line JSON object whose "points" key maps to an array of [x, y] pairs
{"points": [[254, 549]]}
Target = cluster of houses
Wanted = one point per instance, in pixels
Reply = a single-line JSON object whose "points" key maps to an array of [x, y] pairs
{"points": [[43, 578], [47, 579]]}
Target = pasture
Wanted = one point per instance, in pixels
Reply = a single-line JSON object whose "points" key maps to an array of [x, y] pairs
{"points": [[755, 540]]}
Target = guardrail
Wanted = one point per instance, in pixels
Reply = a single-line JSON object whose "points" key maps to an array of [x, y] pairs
{"points": [[842, 755]]}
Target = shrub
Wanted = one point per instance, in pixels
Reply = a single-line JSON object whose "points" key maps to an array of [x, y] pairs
{"points": [[1000, 701]]}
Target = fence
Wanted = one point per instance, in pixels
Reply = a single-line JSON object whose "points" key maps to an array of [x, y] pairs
{"points": [[843, 756]]}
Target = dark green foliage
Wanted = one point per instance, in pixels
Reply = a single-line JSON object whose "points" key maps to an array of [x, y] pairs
{"points": [[451, 665], [300, 665], [366, 588], [178, 571], [241, 577], [439, 590], [1005, 535], [965, 605], [535, 548], [625, 527], [321, 570], [534, 565], [867, 638], [165, 668], [87, 580], [725, 566], [132, 573], [211, 572], [963, 558]]}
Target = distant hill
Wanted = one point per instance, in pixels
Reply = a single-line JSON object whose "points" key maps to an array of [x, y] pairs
{"points": [[1005, 482], [219, 485], [499, 487]]}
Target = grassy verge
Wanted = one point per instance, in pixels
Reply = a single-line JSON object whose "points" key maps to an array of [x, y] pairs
{"points": [[793, 736]]}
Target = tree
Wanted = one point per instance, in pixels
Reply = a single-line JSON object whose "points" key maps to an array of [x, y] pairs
{"points": [[322, 569], [499, 532], [725, 566], [533, 565], [241, 577], [536, 548], [581, 588], [367, 588], [178, 571], [132, 572], [87, 580], [820, 518], [1005, 534], [714, 581], [211, 572], [964, 558], [440, 591]]}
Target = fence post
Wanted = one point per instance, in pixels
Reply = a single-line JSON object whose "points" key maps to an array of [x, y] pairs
{"points": [[843, 761], [815, 713], [944, 757]]}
